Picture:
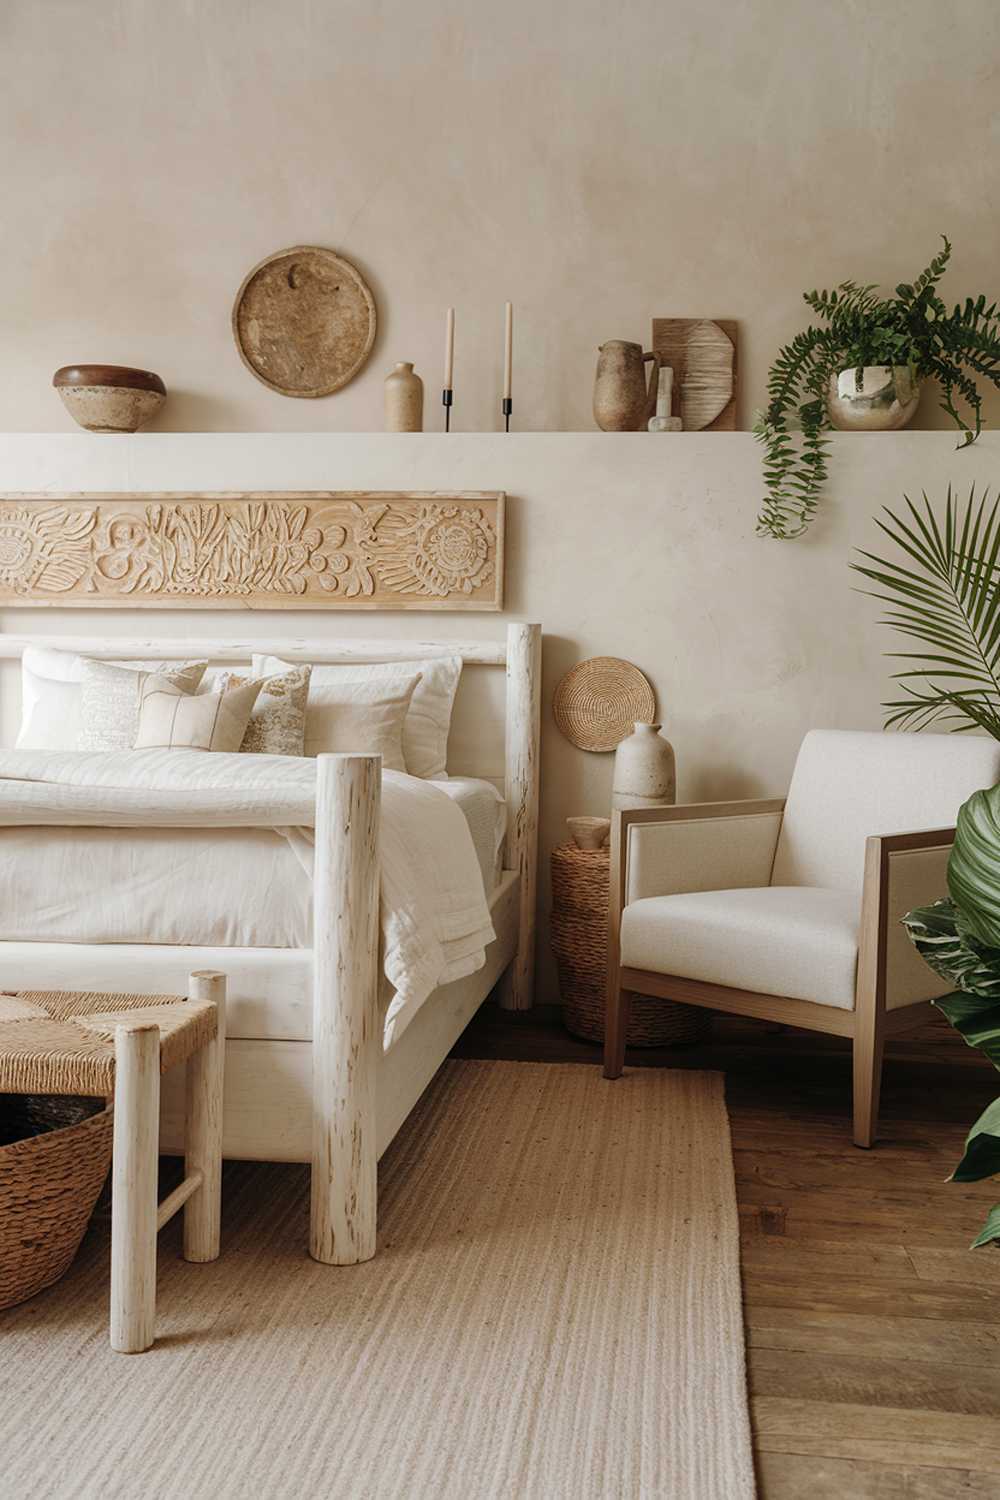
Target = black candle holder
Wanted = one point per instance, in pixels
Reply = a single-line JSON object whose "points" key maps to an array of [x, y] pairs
{"points": [[446, 403], [506, 406]]}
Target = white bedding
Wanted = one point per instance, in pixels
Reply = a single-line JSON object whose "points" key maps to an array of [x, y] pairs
{"points": [[114, 848]]}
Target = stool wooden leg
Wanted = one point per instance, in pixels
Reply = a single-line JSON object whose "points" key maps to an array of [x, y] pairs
{"points": [[203, 1137], [134, 1188]]}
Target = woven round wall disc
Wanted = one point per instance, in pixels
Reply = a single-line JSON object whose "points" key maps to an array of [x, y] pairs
{"points": [[600, 701]]}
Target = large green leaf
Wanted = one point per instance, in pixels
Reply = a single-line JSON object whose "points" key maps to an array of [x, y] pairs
{"points": [[942, 588], [990, 1230], [937, 934], [977, 1019], [982, 1148], [974, 868]]}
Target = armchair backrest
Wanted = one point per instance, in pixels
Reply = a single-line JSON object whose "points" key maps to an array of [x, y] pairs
{"points": [[848, 785]]}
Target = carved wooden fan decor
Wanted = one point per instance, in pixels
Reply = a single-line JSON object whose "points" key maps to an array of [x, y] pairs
{"points": [[599, 702], [291, 550]]}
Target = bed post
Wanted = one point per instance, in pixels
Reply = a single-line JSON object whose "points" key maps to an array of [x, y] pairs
{"points": [[346, 1038], [524, 688]]}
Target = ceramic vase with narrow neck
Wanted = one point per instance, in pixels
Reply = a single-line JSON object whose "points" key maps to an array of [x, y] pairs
{"points": [[404, 399], [645, 774]]}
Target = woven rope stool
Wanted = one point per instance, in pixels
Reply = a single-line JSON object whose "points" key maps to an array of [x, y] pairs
{"points": [[56, 1042]]}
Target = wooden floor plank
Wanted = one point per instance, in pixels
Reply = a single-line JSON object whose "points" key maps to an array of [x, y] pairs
{"points": [[818, 1331], [788, 1476], [884, 1297], [883, 1435], [863, 1381]]}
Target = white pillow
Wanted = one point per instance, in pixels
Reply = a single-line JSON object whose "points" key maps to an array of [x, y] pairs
{"points": [[428, 719], [172, 719], [359, 712], [50, 699], [51, 696], [111, 697]]}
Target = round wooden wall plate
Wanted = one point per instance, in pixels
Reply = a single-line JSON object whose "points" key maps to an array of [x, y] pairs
{"points": [[600, 701], [304, 321]]}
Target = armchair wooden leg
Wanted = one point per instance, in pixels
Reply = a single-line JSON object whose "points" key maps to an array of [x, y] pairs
{"points": [[616, 1016], [868, 1050]]}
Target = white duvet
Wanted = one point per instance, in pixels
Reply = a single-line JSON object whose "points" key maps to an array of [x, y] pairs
{"points": [[434, 915]]}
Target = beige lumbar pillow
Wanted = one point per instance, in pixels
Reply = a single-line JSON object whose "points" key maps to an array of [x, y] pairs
{"points": [[110, 695], [170, 719], [278, 722]]}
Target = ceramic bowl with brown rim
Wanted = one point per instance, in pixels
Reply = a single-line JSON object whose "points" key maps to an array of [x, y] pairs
{"points": [[109, 398]]}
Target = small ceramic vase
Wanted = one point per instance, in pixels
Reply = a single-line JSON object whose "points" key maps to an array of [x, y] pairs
{"points": [[644, 775], [404, 400], [589, 833]]}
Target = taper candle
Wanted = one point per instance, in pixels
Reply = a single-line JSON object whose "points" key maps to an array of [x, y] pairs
{"points": [[508, 357], [449, 348]]}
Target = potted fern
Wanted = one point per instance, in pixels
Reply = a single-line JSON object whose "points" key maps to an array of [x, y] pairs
{"points": [[861, 368]]}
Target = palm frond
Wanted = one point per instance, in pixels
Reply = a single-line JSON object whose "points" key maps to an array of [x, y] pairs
{"points": [[943, 591]]}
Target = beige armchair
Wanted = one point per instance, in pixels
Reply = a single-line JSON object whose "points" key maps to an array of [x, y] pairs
{"points": [[790, 910]]}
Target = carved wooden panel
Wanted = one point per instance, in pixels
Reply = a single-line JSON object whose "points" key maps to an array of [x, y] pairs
{"points": [[297, 550]]}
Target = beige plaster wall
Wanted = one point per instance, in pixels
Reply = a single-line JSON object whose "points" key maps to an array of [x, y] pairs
{"points": [[618, 544], [597, 163]]}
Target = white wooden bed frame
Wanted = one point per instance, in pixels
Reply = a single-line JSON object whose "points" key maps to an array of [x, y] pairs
{"points": [[307, 1078]]}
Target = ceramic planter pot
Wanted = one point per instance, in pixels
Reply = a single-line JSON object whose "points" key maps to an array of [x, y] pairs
{"points": [[110, 398], [877, 398]]}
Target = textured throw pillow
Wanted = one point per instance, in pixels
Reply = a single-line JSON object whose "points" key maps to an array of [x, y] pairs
{"points": [[170, 719], [428, 718], [278, 722], [110, 697]]}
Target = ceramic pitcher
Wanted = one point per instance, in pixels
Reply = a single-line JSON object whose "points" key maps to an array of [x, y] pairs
{"points": [[622, 401]]}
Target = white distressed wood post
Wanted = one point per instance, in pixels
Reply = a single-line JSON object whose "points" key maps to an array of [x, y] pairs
{"points": [[346, 1039], [134, 1188], [203, 1124], [524, 693]]}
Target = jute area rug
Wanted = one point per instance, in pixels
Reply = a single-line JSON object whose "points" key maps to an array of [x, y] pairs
{"points": [[554, 1312]]}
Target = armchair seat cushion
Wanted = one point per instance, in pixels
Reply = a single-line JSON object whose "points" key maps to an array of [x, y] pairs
{"points": [[796, 941]]}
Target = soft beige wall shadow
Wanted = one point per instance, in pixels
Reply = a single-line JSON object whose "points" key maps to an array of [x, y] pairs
{"points": [[599, 164]]}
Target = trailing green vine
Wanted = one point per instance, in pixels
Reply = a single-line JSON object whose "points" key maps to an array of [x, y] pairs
{"points": [[913, 328]]}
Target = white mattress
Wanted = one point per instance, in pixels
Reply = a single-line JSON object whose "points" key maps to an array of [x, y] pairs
{"points": [[233, 887]]}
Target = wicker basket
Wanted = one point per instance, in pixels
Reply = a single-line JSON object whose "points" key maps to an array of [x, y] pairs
{"points": [[579, 929], [54, 1158]]}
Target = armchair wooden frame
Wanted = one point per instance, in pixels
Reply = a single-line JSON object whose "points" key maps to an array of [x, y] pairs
{"points": [[868, 1024]]}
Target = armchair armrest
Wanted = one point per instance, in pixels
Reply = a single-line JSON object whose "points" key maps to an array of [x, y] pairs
{"points": [[902, 870], [701, 846]]}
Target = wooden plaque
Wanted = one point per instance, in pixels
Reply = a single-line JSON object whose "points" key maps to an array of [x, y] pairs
{"points": [[296, 550], [670, 342]]}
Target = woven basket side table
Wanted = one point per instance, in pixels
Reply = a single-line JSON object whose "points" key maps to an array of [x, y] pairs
{"points": [[99, 1045], [579, 935]]}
